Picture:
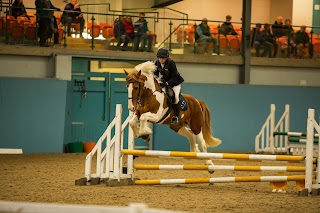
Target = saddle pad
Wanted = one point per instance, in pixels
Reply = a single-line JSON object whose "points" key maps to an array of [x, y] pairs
{"points": [[182, 103]]}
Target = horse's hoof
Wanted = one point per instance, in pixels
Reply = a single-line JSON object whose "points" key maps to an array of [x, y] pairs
{"points": [[211, 172], [145, 137]]}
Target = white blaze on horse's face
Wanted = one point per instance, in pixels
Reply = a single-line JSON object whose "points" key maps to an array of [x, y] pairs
{"points": [[130, 101]]}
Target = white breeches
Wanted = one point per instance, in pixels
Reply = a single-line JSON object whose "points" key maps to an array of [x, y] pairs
{"points": [[176, 90]]}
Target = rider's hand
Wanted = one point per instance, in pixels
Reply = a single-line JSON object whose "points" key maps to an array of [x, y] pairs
{"points": [[163, 84]]}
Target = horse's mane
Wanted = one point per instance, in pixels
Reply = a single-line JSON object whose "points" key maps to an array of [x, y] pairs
{"points": [[146, 68]]}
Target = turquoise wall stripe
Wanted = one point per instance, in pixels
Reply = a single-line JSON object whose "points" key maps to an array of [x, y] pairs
{"points": [[32, 114]]}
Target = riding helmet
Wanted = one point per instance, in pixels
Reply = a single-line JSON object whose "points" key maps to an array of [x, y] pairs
{"points": [[163, 53]]}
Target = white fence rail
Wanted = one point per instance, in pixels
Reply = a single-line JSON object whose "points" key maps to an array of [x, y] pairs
{"points": [[274, 138]]}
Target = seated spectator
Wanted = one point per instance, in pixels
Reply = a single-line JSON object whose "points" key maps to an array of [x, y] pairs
{"points": [[227, 27], [120, 33], [142, 35], [129, 27], [289, 33], [302, 41], [259, 41], [203, 35], [18, 9], [269, 37], [73, 17], [278, 27]]}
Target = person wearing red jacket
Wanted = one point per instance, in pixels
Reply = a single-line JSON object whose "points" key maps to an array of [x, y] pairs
{"points": [[129, 27]]}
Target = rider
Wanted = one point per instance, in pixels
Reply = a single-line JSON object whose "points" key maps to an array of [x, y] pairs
{"points": [[167, 71]]}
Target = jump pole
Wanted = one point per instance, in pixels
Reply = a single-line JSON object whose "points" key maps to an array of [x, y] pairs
{"points": [[221, 167], [301, 140], [221, 180], [294, 134], [203, 155]]}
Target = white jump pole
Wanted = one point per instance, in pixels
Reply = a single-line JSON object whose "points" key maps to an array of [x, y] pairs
{"points": [[205, 155], [221, 167]]}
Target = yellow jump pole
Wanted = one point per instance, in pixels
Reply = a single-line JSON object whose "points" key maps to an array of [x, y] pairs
{"points": [[221, 180]]}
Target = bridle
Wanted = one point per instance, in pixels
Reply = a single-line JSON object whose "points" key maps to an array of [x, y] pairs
{"points": [[140, 100]]}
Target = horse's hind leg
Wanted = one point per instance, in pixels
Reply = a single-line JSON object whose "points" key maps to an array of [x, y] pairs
{"points": [[186, 132], [203, 146]]}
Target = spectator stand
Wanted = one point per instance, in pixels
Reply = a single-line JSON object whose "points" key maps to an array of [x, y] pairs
{"points": [[159, 22], [229, 44], [17, 30]]}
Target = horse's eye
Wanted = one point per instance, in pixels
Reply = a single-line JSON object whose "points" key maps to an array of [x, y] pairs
{"points": [[136, 88]]}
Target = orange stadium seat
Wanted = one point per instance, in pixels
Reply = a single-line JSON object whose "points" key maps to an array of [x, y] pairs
{"points": [[96, 31]]}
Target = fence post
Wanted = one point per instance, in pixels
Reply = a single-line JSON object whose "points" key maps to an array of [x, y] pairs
{"points": [[194, 37], [272, 120], [7, 25], [218, 43], [289, 46], [65, 30], [170, 39], [309, 151], [92, 33], [287, 127]]}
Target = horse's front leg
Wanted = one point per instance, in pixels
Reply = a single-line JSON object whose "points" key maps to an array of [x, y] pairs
{"points": [[134, 125], [144, 125]]}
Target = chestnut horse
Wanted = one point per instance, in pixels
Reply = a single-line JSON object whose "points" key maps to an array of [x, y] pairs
{"points": [[149, 103]]}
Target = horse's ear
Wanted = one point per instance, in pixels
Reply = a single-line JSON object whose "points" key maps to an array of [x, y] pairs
{"points": [[139, 73], [125, 72]]}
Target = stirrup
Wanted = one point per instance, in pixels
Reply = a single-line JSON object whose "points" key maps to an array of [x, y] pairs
{"points": [[174, 120]]}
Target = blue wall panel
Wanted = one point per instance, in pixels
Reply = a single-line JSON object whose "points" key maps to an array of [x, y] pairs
{"points": [[32, 114], [238, 112]]}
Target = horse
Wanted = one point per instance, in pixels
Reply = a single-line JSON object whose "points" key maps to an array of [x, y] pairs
{"points": [[150, 103]]}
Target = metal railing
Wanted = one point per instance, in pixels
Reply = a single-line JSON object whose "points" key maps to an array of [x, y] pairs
{"points": [[172, 28]]}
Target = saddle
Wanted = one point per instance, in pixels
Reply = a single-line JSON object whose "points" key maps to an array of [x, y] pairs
{"points": [[171, 98]]}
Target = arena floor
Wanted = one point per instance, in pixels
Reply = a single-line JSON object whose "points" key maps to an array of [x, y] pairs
{"points": [[49, 178]]}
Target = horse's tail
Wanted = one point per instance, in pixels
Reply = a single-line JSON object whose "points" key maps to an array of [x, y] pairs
{"points": [[207, 131]]}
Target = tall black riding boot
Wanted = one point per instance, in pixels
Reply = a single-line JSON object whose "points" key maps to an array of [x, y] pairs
{"points": [[175, 118]]}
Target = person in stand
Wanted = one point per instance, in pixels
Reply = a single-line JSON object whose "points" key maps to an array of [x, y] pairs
{"points": [[169, 76], [129, 27], [119, 31], [18, 9], [278, 28], [142, 35], [73, 17], [203, 35], [269, 37], [302, 41], [53, 31], [227, 27], [44, 15]]}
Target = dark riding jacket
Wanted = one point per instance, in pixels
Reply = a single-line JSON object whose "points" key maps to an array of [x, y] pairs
{"points": [[169, 73]]}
